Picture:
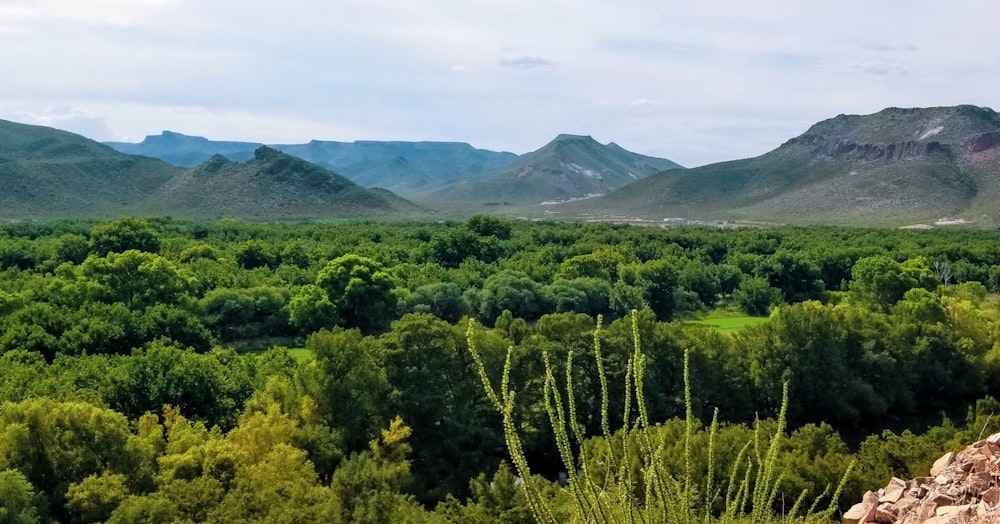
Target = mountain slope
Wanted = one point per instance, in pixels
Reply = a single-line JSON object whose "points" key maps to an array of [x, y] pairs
{"points": [[271, 185], [48, 173], [569, 167], [896, 165], [404, 167], [184, 150]]}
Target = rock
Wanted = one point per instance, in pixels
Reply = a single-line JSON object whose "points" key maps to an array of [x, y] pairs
{"points": [[863, 512], [942, 463], [990, 497], [894, 491], [963, 488]]}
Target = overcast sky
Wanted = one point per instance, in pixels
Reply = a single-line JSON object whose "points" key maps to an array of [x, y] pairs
{"points": [[693, 81]]}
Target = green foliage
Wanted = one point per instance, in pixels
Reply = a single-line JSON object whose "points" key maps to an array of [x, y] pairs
{"points": [[234, 314], [633, 481], [512, 291], [427, 371], [347, 382], [451, 248], [879, 282], [311, 309], [659, 281], [444, 300], [109, 333], [360, 290], [489, 226], [56, 444], [17, 495], [72, 248], [137, 279], [121, 235], [209, 387], [254, 254], [754, 296]]}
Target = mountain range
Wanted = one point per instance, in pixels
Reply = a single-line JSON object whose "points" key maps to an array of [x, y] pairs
{"points": [[402, 167], [893, 167], [48, 173], [571, 167]]}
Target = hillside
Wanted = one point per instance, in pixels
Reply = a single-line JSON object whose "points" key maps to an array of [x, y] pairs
{"points": [[404, 167], [896, 165], [48, 173], [184, 150], [569, 167], [271, 185]]}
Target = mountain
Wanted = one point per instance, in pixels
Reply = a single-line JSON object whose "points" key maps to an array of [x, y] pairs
{"points": [[184, 150], [48, 173], [404, 167], [271, 185], [896, 165], [569, 167]]}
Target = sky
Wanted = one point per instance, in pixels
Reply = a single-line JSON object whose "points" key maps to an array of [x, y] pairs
{"points": [[693, 81]]}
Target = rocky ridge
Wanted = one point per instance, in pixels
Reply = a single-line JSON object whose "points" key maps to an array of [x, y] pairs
{"points": [[962, 488]]}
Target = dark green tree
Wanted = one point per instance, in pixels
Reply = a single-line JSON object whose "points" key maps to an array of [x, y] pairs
{"points": [[361, 291], [122, 235], [754, 296]]}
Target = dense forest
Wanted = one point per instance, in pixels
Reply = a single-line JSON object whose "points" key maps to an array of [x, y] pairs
{"points": [[162, 370]]}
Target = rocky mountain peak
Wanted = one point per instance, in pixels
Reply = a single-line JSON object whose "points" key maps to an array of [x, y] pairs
{"points": [[266, 153], [903, 133]]}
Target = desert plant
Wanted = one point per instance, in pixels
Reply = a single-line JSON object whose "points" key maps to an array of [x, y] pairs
{"points": [[653, 494]]}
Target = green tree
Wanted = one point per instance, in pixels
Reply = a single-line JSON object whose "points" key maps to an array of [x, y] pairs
{"points": [[254, 254], [879, 281], [209, 387], [17, 505], [121, 235], [55, 444], [361, 292], [72, 248], [444, 300], [659, 280], [755, 296], [348, 383], [138, 279], [701, 280], [311, 309], [513, 291], [429, 377], [94, 498], [489, 226]]}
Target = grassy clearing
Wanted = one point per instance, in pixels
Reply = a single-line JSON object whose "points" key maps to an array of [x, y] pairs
{"points": [[728, 324], [301, 354]]}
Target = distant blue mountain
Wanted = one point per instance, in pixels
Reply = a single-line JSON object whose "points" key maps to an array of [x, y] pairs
{"points": [[402, 167]]}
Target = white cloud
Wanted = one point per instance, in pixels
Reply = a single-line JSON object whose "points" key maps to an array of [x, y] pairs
{"points": [[714, 79], [877, 68], [69, 118], [92, 12], [525, 62]]}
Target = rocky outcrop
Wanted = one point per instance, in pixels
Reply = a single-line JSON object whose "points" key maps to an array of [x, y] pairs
{"points": [[982, 142], [962, 488], [848, 150]]}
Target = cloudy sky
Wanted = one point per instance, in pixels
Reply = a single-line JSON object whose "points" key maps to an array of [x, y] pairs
{"points": [[695, 81]]}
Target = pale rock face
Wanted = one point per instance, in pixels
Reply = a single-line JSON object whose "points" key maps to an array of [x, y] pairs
{"points": [[962, 488]]}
